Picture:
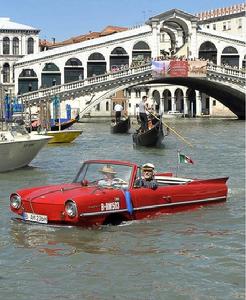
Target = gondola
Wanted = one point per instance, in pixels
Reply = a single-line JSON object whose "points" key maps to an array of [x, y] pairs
{"points": [[57, 126], [150, 138], [121, 126]]}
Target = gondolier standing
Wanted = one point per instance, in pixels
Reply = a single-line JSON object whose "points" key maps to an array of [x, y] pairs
{"points": [[142, 114], [118, 109]]}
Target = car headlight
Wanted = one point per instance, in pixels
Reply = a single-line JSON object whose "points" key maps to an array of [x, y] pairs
{"points": [[71, 208], [15, 201]]}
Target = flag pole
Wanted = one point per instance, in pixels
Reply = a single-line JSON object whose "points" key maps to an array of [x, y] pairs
{"points": [[177, 167]]}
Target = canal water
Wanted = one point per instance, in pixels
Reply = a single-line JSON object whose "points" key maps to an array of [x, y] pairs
{"points": [[196, 254]]}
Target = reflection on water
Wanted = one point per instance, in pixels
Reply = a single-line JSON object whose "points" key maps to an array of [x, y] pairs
{"points": [[190, 255]]}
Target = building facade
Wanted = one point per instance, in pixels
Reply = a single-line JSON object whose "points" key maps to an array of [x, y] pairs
{"points": [[16, 41], [170, 34]]}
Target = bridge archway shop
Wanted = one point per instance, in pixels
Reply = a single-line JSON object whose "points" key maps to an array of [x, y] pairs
{"points": [[27, 81], [96, 65], [73, 70], [50, 76]]}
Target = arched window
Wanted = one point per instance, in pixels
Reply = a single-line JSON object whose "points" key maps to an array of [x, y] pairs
{"points": [[50, 76], [27, 81], [167, 100], [73, 62], [96, 64], [119, 51], [50, 67], [230, 56], [179, 99], [96, 56], [229, 50], [208, 51], [15, 46], [141, 46], [119, 59], [6, 45], [6, 73], [30, 46], [27, 73], [73, 70], [141, 52], [107, 106]]}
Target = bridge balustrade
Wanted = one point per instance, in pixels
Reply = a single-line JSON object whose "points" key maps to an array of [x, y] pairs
{"points": [[86, 83]]}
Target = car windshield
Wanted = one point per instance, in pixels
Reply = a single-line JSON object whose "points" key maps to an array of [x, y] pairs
{"points": [[105, 175]]}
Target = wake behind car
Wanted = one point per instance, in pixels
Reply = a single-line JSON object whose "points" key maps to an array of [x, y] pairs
{"points": [[105, 192]]}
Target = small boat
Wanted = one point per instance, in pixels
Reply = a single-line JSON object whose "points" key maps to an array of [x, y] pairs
{"points": [[152, 137], [121, 126], [173, 114], [18, 148], [87, 202], [63, 136], [56, 126]]}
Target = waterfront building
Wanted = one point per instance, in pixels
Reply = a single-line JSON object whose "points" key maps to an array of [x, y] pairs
{"points": [[172, 33], [16, 41]]}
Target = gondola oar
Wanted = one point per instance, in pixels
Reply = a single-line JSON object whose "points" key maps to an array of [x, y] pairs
{"points": [[170, 128]]}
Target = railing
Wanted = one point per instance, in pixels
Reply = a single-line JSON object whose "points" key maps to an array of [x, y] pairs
{"points": [[113, 76], [226, 70], [76, 85]]}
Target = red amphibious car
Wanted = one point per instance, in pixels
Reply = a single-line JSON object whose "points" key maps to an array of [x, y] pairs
{"points": [[89, 200]]}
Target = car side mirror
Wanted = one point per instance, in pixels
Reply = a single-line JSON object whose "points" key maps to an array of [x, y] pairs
{"points": [[84, 182]]}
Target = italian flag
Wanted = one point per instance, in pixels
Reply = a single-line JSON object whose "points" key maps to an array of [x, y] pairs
{"points": [[185, 159]]}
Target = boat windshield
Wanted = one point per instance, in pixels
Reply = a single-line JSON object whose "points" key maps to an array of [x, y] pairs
{"points": [[17, 129], [105, 175]]}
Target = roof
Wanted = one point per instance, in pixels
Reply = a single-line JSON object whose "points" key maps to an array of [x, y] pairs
{"points": [[84, 37], [6, 24], [170, 13]]}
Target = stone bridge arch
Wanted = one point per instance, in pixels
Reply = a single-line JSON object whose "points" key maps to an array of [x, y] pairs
{"points": [[228, 96]]}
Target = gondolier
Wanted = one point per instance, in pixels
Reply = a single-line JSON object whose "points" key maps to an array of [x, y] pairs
{"points": [[142, 114], [118, 109]]}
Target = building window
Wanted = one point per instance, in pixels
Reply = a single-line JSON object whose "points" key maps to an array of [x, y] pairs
{"points": [[162, 38], [137, 93], [98, 107], [6, 45], [224, 25], [208, 26], [214, 102], [214, 26], [107, 106], [6, 73], [15, 46], [239, 23], [229, 25], [30, 46]]}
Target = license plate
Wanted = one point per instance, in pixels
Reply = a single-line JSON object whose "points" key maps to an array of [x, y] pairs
{"points": [[35, 218]]}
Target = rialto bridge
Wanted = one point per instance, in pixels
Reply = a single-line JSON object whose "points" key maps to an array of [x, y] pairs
{"points": [[89, 72]]}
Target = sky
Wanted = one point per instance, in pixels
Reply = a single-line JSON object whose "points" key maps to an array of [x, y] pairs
{"points": [[63, 19]]}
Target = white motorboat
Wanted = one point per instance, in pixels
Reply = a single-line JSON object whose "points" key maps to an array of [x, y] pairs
{"points": [[18, 148], [173, 114]]}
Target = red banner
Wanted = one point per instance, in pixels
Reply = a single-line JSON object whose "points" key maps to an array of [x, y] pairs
{"points": [[178, 68]]}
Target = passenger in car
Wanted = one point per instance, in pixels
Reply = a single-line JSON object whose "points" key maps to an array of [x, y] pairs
{"points": [[108, 176], [148, 178]]}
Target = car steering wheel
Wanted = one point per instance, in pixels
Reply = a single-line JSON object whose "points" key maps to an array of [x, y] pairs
{"points": [[118, 181]]}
